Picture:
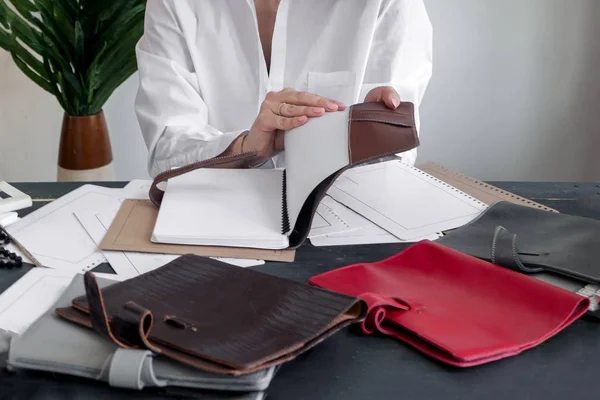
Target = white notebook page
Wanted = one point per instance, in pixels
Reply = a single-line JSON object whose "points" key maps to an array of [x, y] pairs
{"points": [[223, 207], [313, 152], [404, 200]]}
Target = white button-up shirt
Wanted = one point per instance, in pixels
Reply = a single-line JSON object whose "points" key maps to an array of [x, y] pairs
{"points": [[203, 74]]}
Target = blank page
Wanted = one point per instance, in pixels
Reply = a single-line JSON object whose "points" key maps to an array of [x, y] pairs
{"points": [[223, 207], [403, 200], [313, 152]]}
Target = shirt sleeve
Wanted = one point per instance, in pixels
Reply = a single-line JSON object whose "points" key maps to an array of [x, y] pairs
{"points": [[401, 55], [171, 112]]}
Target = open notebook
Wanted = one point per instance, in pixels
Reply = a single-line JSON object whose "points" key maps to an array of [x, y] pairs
{"points": [[220, 202]]}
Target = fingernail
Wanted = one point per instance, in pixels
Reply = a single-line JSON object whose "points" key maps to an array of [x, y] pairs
{"points": [[395, 102], [318, 110], [302, 118], [332, 106]]}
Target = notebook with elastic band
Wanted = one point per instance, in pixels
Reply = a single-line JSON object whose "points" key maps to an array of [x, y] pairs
{"points": [[214, 316]]}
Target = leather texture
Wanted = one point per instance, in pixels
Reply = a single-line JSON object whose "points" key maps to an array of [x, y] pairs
{"points": [[456, 308], [376, 131], [214, 316], [529, 240]]}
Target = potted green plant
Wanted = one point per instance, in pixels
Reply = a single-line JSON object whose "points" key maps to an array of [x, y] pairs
{"points": [[80, 51]]}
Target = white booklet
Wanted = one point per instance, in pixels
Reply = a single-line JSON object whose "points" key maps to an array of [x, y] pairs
{"points": [[405, 201], [273, 208]]}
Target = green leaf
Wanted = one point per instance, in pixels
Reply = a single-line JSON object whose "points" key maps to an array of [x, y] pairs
{"points": [[40, 81], [79, 47], [109, 86], [6, 42], [63, 94], [66, 8], [32, 62], [26, 34], [24, 7], [79, 50]]}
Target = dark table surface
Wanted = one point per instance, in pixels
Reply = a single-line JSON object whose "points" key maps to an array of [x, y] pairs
{"points": [[350, 366]]}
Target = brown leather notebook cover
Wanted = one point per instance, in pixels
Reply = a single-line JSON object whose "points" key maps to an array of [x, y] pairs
{"points": [[371, 131], [214, 316], [131, 230], [482, 191]]}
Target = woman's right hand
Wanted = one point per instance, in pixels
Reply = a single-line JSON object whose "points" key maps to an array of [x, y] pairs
{"points": [[280, 112]]}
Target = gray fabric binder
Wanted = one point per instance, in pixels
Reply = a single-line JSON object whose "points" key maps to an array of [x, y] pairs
{"points": [[54, 345]]}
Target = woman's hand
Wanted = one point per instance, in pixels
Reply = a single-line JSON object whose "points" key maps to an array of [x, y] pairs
{"points": [[384, 94], [283, 111]]}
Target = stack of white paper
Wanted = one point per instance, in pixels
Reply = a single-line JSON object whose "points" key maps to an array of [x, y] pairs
{"points": [[65, 233], [54, 235], [337, 225], [405, 201]]}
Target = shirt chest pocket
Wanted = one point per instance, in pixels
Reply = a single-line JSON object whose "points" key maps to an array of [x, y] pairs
{"points": [[339, 86]]}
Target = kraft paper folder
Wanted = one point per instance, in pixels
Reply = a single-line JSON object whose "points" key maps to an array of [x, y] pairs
{"points": [[482, 191], [132, 227]]}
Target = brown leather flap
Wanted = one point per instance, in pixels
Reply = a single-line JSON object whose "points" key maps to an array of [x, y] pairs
{"points": [[243, 160], [376, 131], [214, 316]]}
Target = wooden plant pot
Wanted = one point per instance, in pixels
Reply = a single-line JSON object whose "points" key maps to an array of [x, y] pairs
{"points": [[85, 152]]}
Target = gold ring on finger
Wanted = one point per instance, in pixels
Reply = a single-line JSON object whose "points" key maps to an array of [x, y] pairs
{"points": [[279, 109]]}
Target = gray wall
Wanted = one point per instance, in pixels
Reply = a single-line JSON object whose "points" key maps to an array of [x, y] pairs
{"points": [[515, 96], [515, 93]]}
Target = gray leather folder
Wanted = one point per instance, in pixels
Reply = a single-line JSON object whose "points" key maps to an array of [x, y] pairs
{"points": [[532, 241], [52, 344]]}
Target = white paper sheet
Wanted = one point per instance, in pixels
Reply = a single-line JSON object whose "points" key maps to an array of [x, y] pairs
{"points": [[32, 295], [314, 152], [330, 221], [54, 235], [139, 188], [131, 264], [360, 230], [405, 201], [223, 207], [318, 222]]}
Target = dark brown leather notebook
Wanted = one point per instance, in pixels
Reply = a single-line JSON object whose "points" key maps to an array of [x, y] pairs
{"points": [[207, 204], [214, 316]]}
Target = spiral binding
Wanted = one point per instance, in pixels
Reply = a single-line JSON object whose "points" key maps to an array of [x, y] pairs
{"points": [[442, 183], [285, 218], [500, 191]]}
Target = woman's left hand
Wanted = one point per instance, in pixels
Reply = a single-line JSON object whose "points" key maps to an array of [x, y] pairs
{"points": [[384, 94]]}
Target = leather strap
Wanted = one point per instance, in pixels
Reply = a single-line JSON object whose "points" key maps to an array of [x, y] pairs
{"points": [[505, 254], [243, 160], [129, 328], [378, 307], [133, 369]]}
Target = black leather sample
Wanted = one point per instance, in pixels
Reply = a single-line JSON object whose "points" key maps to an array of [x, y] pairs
{"points": [[531, 241]]}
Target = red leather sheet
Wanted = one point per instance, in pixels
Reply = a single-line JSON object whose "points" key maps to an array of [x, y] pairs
{"points": [[456, 308]]}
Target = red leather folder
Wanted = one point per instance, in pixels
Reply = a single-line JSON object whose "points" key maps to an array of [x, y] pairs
{"points": [[456, 308]]}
